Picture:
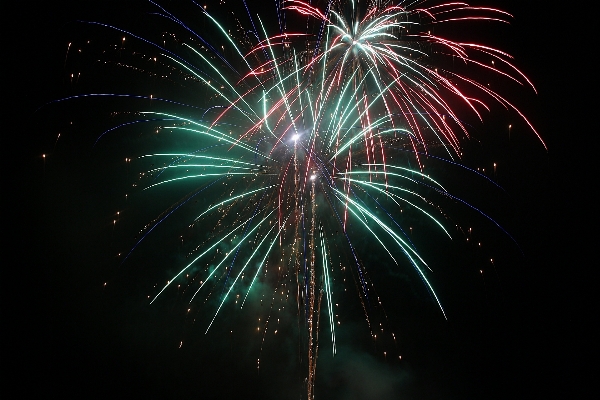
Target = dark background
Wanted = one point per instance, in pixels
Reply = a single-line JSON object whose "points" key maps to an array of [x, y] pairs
{"points": [[528, 336]]}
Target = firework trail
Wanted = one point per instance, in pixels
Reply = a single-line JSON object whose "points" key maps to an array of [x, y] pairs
{"points": [[308, 141]]}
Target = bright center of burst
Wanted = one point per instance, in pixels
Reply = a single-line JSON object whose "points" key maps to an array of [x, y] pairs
{"points": [[313, 177], [295, 137]]}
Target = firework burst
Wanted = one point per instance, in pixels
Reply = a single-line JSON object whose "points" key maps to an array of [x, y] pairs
{"points": [[303, 145]]}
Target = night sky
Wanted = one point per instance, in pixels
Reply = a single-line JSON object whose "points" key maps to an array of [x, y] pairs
{"points": [[521, 333]]}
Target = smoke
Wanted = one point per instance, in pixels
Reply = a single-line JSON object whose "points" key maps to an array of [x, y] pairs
{"points": [[354, 374]]}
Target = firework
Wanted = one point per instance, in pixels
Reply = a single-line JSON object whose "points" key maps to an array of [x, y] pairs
{"points": [[301, 145]]}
